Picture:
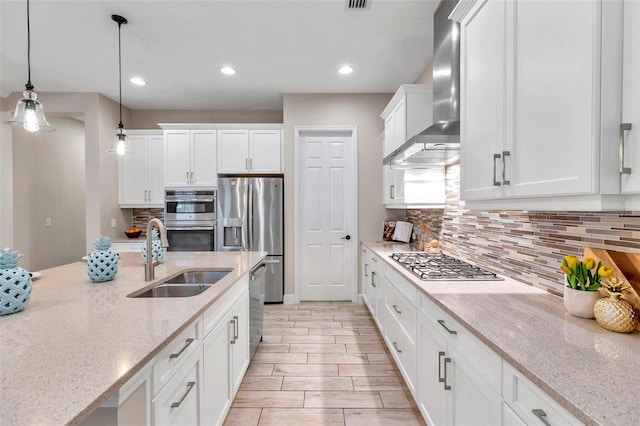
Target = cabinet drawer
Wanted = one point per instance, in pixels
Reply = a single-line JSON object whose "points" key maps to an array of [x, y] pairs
{"points": [[403, 351], [530, 403], [402, 310], [484, 360], [404, 287], [169, 360], [180, 401]]}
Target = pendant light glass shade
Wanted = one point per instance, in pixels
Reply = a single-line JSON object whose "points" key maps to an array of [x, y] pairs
{"points": [[121, 144], [29, 113]]}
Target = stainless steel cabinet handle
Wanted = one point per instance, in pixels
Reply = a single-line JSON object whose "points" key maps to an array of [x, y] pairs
{"points": [[236, 327], [446, 361], [441, 322], [366, 265], [190, 386], [148, 195], [187, 343], [250, 163], [505, 154], [233, 339], [392, 192], [624, 127], [395, 308], [191, 182], [187, 178], [373, 279], [539, 413], [246, 164], [395, 345], [495, 158], [374, 259], [440, 376]]}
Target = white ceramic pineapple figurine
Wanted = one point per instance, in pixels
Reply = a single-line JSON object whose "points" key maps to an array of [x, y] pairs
{"points": [[15, 283], [156, 248], [102, 264]]}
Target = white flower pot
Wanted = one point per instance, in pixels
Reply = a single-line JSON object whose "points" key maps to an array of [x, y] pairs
{"points": [[580, 303]]}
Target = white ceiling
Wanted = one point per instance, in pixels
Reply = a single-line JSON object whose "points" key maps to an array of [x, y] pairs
{"points": [[178, 46]]}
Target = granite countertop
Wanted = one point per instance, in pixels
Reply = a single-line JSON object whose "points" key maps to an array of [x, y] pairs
{"points": [[77, 342], [588, 370]]}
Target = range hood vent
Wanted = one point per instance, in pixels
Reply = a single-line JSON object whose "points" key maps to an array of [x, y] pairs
{"points": [[442, 137]]}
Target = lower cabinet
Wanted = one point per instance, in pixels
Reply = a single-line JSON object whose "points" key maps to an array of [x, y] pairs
{"points": [[372, 281], [181, 400]]}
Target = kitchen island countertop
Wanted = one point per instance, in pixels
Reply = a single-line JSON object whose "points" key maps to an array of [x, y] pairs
{"points": [[591, 372], [77, 342]]}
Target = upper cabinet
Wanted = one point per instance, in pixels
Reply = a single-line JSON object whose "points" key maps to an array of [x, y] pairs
{"points": [[255, 151], [142, 171], [540, 111], [408, 113], [190, 158]]}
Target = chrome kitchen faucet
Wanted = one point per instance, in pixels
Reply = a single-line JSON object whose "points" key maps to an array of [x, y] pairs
{"points": [[149, 264]]}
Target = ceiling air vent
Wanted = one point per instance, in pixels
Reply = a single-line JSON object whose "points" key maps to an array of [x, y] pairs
{"points": [[356, 4]]}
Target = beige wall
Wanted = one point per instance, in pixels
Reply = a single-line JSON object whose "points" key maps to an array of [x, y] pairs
{"points": [[50, 183], [101, 168], [361, 110], [148, 119], [426, 76]]}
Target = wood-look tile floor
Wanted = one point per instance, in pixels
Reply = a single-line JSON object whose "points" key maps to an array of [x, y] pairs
{"points": [[322, 364]]}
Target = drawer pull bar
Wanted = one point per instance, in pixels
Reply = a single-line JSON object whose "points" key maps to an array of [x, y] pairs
{"points": [[233, 337], [395, 345], [446, 361], [190, 386], [373, 279], [395, 308], [539, 413], [441, 322], [440, 378], [236, 327], [188, 342], [366, 265]]}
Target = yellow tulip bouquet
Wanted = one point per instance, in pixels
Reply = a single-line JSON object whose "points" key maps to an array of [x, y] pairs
{"points": [[579, 273]]}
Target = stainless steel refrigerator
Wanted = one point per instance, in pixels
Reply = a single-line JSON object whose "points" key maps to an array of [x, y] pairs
{"points": [[251, 218]]}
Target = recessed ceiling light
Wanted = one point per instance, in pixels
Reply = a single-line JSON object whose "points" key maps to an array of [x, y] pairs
{"points": [[137, 81], [227, 70], [345, 70]]}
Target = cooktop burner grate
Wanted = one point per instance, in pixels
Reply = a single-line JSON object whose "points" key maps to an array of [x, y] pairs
{"points": [[442, 267]]}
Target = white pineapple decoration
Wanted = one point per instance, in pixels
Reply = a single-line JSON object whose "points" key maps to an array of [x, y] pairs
{"points": [[102, 264], [15, 283], [157, 250]]}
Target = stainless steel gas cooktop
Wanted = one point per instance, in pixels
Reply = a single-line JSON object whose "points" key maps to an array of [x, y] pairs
{"points": [[442, 267]]}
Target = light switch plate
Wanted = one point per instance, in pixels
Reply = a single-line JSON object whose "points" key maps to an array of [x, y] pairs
{"points": [[113, 223]]}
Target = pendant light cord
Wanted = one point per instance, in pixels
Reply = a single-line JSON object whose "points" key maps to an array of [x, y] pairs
{"points": [[28, 86], [120, 126]]}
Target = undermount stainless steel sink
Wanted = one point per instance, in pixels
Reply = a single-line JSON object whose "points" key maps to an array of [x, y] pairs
{"points": [[186, 284]]}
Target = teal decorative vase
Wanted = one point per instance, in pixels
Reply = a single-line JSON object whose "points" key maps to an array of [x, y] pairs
{"points": [[102, 264], [15, 283], [156, 248]]}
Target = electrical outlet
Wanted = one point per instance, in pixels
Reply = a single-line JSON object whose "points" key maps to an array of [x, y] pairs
{"points": [[113, 223], [47, 222]]}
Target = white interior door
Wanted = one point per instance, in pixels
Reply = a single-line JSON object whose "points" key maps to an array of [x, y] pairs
{"points": [[327, 206]]}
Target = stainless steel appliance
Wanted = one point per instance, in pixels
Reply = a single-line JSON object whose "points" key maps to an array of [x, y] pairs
{"points": [[250, 217], [441, 267], [190, 219], [256, 306]]}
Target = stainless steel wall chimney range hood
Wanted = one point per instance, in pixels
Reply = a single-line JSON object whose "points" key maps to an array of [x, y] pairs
{"points": [[439, 144]]}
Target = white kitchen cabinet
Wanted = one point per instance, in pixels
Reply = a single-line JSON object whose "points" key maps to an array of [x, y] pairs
{"points": [[451, 391], [255, 151], [226, 353], [393, 184], [190, 158], [142, 171], [372, 281], [180, 402], [539, 111], [408, 113]]}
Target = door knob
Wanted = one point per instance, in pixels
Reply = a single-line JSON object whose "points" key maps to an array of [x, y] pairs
{"points": [[348, 237]]}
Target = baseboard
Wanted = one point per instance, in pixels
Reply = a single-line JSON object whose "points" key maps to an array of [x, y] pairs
{"points": [[289, 299], [360, 300]]}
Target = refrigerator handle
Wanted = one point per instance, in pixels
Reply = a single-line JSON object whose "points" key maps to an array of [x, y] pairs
{"points": [[250, 215]]}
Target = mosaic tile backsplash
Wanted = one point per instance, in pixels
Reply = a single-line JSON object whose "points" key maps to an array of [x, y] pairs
{"points": [[525, 246], [141, 217]]}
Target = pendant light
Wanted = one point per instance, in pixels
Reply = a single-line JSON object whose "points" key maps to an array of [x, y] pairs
{"points": [[29, 113], [121, 142]]}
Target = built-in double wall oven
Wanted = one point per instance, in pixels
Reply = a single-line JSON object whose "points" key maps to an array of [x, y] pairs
{"points": [[190, 219]]}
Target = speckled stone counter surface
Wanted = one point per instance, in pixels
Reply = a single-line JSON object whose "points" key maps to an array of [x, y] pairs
{"points": [[590, 371], [77, 342]]}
